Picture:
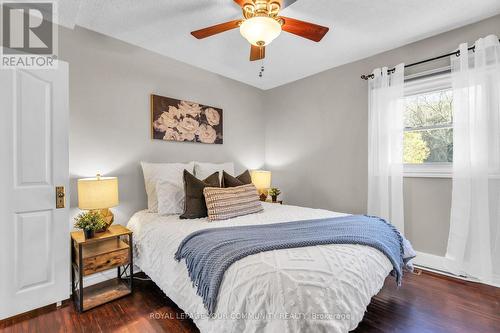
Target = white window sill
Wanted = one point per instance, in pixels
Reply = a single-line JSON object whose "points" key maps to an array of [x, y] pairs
{"points": [[429, 170]]}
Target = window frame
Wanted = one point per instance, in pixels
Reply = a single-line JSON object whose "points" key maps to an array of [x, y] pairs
{"points": [[420, 85]]}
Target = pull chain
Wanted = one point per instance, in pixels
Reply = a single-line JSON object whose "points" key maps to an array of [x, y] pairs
{"points": [[262, 69]]}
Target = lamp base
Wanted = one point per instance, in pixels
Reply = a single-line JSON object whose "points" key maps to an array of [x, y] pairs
{"points": [[108, 217], [263, 196]]}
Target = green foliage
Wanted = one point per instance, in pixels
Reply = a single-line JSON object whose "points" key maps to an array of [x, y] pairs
{"points": [[440, 143], [91, 220], [415, 149], [274, 191]]}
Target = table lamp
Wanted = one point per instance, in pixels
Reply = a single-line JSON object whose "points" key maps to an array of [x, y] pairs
{"points": [[99, 193], [262, 181]]}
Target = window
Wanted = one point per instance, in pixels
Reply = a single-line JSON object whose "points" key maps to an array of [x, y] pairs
{"points": [[428, 133]]}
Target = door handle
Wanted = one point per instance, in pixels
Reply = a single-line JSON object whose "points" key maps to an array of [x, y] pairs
{"points": [[60, 197]]}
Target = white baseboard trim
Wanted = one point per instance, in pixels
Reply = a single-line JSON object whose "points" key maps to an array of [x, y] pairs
{"points": [[438, 264], [103, 276], [99, 277], [431, 261]]}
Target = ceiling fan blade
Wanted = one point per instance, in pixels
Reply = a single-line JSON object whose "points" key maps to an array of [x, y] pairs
{"points": [[257, 52], [307, 30], [286, 3], [216, 29], [242, 2]]}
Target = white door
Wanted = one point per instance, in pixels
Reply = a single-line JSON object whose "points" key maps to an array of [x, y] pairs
{"points": [[34, 235]]}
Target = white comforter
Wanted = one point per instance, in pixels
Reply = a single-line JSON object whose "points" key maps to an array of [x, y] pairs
{"points": [[311, 289]]}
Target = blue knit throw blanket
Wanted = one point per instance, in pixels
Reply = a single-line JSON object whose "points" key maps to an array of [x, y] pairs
{"points": [[210, 252]]}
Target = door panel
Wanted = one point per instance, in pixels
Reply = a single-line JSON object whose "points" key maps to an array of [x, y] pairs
{"points": [[34, 237], [32, 123], [34, 264]]}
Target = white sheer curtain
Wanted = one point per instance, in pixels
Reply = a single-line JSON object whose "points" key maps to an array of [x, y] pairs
{"points": [[385, 145], [474, 239]]}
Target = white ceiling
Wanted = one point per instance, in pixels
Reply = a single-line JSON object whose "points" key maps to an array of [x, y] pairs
{"points": [[358, 29]]}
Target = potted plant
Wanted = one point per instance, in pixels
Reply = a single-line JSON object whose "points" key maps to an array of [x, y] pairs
{"points": [[274, 192], [90, 222]]}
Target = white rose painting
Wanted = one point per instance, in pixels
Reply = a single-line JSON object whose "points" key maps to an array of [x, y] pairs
{"points": [[176, 120]]}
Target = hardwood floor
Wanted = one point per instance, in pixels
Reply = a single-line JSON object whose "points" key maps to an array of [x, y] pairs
{"points": [[425, 303]]}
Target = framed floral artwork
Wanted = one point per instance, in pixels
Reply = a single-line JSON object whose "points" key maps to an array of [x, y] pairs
{"points": [[177, 120]]}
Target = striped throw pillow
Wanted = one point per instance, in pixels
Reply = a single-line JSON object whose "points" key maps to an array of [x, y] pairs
{"points": [[226, 203]]}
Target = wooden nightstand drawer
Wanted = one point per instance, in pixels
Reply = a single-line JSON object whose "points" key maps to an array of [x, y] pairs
{"points": [[104, 255], [105, 261]]}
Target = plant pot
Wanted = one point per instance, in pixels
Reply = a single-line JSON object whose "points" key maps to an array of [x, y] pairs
{"points": [[274, 198], [89, 233]]}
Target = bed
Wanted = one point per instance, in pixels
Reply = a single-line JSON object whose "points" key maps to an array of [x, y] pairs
{"points": [[322, 288]]}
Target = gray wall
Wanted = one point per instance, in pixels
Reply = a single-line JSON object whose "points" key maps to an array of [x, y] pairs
{"points": [[110, 85], [316, 140], [311, 133]]}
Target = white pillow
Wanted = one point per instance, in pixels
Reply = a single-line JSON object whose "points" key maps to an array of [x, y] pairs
{"points": [[203, 170], [155, 172], [170, 198]]}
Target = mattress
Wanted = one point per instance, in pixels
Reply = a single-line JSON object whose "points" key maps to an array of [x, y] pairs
{"points": [[323, 288]]}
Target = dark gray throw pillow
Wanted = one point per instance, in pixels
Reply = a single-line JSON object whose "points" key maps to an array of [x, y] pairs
{"points": [[194, 204], [230, 181]]}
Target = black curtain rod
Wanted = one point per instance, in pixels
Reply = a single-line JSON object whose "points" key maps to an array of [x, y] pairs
{"points": [[392, 70]]}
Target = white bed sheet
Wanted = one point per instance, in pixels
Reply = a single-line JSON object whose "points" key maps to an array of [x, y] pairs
{"points": [[322, 288]]}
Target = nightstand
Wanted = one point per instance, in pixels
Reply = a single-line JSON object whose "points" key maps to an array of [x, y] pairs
{"points": [[276, 202], [107, 250]]}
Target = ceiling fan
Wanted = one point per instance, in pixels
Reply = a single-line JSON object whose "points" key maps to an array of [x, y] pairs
{"points": [[261, 24]]}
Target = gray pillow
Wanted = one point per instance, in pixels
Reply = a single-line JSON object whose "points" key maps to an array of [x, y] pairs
{"points": [[194, 203], [229, 181]]}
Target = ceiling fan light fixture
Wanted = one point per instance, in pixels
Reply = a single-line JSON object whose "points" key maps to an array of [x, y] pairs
{"points": [[260, 30]]}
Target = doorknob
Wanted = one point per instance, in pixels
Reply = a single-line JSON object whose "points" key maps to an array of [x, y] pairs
{"points": [[60, 197]]}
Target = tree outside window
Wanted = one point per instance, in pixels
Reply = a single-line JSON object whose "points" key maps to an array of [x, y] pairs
{"points": [[428, 136]]}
